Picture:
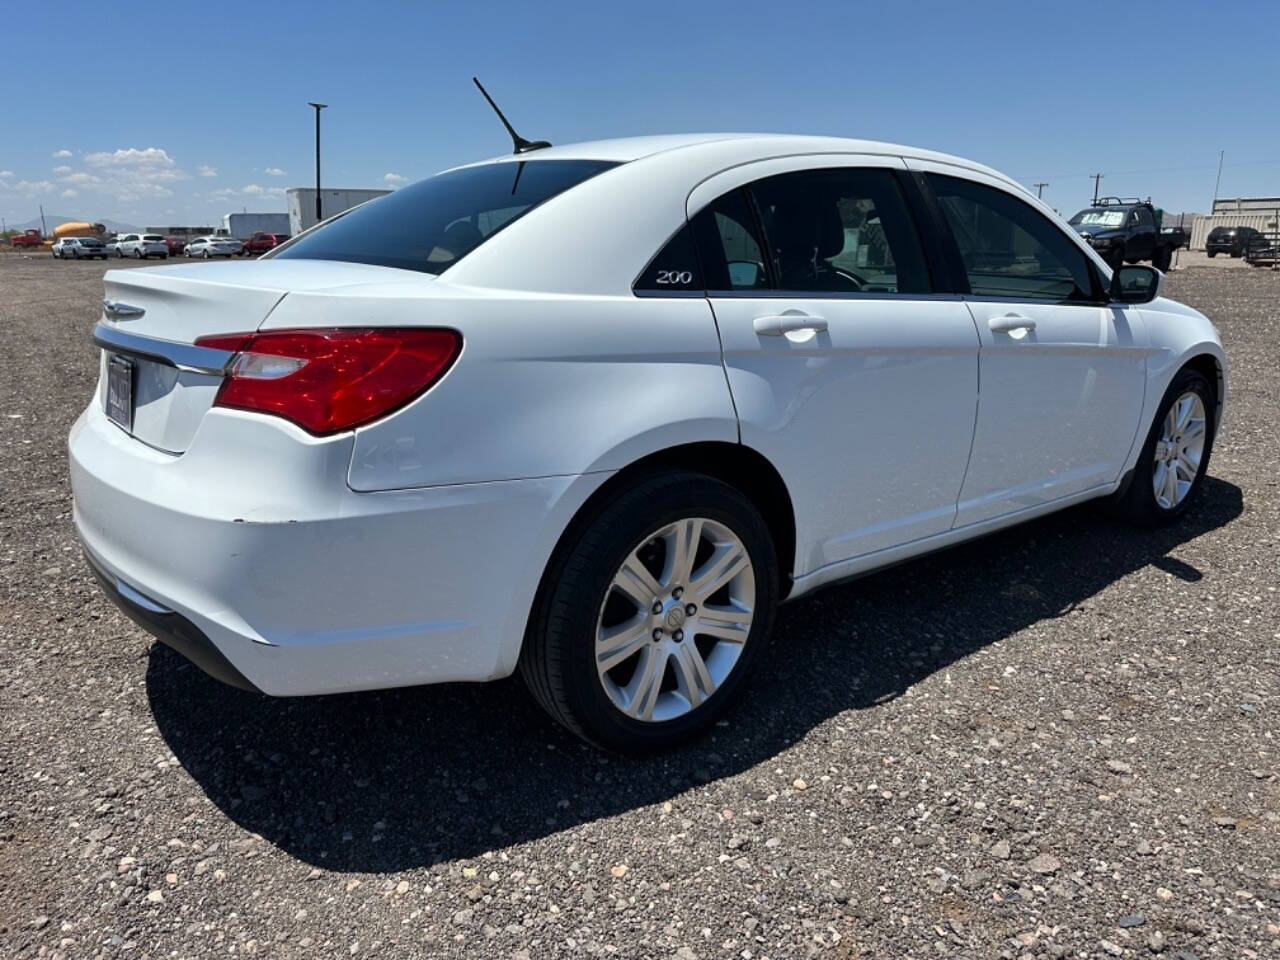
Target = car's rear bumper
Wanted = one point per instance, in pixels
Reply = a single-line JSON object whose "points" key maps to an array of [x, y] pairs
{"points": [[252, 544]]}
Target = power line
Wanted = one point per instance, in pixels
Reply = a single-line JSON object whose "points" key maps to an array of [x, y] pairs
{"points": [[1040, 189]]}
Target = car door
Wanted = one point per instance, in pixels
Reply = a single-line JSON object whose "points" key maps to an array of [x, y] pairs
{"points": [[848, 372], [1062, 371], [1142, 244]]}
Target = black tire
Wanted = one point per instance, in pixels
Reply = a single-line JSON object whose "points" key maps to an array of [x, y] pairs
{"points": [[1137, 504], [558, 657], [1115, 259], [1211, 253], [137, 254], [1162, 259]]}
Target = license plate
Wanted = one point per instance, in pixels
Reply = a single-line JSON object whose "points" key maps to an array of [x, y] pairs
{"points": [[120, 391]]}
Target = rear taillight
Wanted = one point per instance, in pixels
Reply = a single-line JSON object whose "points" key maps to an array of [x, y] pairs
{"points": [[334, 379]]}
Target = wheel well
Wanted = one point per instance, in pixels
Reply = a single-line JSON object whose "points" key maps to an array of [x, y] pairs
{"points": [[740, 467], [1208, 365]]}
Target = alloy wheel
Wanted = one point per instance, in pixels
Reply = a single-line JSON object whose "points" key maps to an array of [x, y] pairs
{"points": [[675, 620], [1179, 450]]}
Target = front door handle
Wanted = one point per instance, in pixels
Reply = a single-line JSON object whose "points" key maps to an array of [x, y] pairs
{"points": [[788, 323], [1010, 322]]}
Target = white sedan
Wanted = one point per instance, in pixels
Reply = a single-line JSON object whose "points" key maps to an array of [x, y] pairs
{"points": [[592, 412], [211, 246]]}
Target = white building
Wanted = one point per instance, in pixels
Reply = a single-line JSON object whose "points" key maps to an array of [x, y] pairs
{"points": [[302, 204]]}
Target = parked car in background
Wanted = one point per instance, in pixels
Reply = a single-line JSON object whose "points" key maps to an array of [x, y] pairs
{"points": [[1124, 231], [80, 248], [1233, 241], [474, 427], [142, 245], [175, 245], [27, 238], [1175, 236], [262, 242], [1265, 251], [212, 246]]}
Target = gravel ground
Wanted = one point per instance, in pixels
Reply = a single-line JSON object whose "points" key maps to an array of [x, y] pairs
{"points": [[1060, 741]]}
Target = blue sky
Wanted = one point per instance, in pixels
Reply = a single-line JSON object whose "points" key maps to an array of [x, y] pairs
{"points": [[179, 113]]}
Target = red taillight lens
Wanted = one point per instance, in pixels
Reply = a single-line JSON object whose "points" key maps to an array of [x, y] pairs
{"points": [[331, 380]]}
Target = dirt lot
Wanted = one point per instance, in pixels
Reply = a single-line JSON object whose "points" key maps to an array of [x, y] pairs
{"points": [[1060, 741]]}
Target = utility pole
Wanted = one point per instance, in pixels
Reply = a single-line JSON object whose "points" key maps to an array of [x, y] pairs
{"points": [[1040, 190], [1217, 183], [1096, 177], [319, 107], [43, 231]]}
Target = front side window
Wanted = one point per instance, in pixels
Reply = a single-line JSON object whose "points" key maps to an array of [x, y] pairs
{"points": [[431, 225], [1009, 250], [841, 231]]}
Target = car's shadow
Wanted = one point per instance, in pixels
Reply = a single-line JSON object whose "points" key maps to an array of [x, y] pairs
{"points": [[396, 779]]}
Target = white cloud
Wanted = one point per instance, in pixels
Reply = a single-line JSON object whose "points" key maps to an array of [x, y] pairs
{"points": [[62, 153], [70, 193], [30, 187], [62, 170], [275, 172], [128, 174], [207, 171], [80, 177], [394, 179], [253, 190], [6, 174]]}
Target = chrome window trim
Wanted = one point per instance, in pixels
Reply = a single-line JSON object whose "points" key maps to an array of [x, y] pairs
{"points": [[184, 356]]}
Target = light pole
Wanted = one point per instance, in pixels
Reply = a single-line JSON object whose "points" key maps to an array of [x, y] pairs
{"points": [[319, 107]]}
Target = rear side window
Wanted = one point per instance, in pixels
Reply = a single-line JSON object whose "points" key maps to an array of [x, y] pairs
{"points": [[841, 231], [1009, 250], [730, 248], [431, 225]]}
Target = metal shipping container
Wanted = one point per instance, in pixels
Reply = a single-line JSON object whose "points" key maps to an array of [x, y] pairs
{"points": [[302, 204]]}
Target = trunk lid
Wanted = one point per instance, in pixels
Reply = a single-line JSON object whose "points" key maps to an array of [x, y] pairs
{"points": [[183, 303]]}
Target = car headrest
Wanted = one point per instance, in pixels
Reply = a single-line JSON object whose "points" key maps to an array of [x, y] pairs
{"points": [[804, 224]]}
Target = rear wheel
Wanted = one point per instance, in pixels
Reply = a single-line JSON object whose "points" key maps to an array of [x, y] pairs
{"points": [[1115, 259], [1211, 253], [1175, 457], [648, 623], [205, 253], [1162, 259]]}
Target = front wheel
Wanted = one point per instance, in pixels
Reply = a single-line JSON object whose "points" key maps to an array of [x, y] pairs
{"points": [[1115, 259], [205, 254], [1175, 457], [648, 622], [1211, 253], [1162, 259]]}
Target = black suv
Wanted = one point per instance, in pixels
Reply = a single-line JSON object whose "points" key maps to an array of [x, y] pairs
{"points": [[1235, 241], [1125, 231]]}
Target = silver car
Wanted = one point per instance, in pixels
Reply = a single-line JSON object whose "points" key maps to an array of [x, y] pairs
{"points": [[211, 246], [142, 245]]}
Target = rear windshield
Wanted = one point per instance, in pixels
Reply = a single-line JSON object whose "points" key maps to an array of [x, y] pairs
{"points": [[153, 236], [431, 225]]}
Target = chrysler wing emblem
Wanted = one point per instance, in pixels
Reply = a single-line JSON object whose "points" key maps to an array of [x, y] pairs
{"points": [[115, 310]]}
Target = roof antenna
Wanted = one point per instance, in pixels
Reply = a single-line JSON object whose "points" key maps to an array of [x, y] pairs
{"points": [[520, 143]]}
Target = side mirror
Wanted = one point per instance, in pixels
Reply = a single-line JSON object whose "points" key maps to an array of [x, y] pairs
{"points": [[1136, 284]]}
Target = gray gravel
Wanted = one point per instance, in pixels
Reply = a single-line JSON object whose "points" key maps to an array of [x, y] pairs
{"points": [[1060, 741]]}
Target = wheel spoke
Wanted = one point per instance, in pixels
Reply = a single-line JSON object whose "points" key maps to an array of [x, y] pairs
{"points": [[682, 547], [1171, 486], [692, 678], [1184, 408], [1194, 431], [647, 683], [636, 583], [620, 643], [725, 564]]}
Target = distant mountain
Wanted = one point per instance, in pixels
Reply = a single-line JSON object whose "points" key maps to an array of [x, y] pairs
{"points": [[52, 220]]}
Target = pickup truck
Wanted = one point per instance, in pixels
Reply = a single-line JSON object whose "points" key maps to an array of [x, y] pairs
{"points": [[1125, 231], [28, 238], [262, 242]]}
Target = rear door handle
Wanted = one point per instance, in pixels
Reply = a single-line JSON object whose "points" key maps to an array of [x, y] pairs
{"points": [[1010, 322], [788, 323]]}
